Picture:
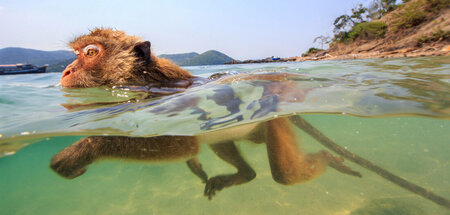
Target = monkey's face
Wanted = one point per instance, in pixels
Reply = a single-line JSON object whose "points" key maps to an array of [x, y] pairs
{"points": [[86, 70], [106, 57]]}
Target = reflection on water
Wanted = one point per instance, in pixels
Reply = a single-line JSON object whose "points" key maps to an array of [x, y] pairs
{"points": [[414, 148], [361, 87]]}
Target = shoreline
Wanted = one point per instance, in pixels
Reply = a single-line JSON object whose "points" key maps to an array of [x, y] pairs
{"points": [[400, 53], [327, 55]]}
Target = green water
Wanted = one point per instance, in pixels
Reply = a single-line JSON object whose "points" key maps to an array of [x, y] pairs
{"points": [[391, 112]]}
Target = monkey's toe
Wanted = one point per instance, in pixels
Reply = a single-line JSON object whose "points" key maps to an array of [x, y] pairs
{"points": [[338, 164], [345, 169]]}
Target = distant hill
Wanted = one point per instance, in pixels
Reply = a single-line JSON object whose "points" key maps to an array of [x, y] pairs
{"points": [[60, 66], [211, 57], [15, 55], [179, 58], [58, 60]]}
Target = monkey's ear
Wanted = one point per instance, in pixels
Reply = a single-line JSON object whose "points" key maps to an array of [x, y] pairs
{"points": [[143, 52]]}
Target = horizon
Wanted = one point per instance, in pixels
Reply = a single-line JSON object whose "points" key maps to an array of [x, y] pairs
{"points": [[241, 30]]}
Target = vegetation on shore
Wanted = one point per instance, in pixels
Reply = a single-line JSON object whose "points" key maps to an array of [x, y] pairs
{"points": [[414, 23], [365, 22], [366, 30], [434, 36], [312, 50]]}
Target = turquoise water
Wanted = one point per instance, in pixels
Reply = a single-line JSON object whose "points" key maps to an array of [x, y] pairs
{"points": [[392, 112]]}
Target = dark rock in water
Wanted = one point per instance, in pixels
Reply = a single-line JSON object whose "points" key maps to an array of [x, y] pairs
{"points": [[389, 207]]}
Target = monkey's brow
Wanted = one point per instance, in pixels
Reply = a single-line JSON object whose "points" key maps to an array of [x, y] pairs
{"points": [[83, 41]]}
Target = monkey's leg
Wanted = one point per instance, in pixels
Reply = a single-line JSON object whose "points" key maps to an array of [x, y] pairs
{"points": [[196, 168], [72, 161], [229, 153], [289, 165]]}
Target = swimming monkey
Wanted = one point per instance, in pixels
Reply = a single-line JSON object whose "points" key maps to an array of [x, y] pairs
{"points": [[111, 57]]}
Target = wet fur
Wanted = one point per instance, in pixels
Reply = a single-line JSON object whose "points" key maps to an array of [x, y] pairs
{"points": [[127, 60], [118, 63]]}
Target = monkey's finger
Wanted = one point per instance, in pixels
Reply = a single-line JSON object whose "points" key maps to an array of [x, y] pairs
{"points": [[214, 184], [212, 192], [209, 190], [349, 171]]}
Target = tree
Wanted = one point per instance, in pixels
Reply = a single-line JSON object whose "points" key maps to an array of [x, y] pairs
{"points": [[346, 22], [322, 40], [359, 14], [342, 23], [388, 5], [380, 7]]}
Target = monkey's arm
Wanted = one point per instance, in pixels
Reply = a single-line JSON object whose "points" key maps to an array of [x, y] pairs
{"points": [[72, 161]]}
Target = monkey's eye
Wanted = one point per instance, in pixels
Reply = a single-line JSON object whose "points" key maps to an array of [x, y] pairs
{"points": [[77, 53], [91, 50]]}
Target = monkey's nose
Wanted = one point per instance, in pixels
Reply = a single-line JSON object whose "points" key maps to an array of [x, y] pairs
{"points": [[66, 73]]}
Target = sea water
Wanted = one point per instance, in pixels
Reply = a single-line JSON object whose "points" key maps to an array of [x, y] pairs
{"points": [[392, 112]]}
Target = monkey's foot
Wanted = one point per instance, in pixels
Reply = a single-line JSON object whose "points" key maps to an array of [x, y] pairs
{"points": [[338, 164], [219, 182]]}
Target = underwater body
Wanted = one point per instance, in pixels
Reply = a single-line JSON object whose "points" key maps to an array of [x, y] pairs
{"points": [[392, 112]]}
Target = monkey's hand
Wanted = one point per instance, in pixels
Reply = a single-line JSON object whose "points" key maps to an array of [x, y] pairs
{"points": [[338, 164], [66, 166], [71, 162]]}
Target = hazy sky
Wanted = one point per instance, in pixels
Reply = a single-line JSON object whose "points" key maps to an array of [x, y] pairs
{"points": [[241, 29]]}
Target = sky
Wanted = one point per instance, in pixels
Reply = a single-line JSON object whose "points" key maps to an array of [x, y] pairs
{"points": [[242, 29]]}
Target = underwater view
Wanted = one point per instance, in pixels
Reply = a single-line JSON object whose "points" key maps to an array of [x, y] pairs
{"points": [[387, 118]]}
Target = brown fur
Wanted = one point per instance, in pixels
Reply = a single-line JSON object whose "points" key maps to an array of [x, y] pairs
{"points": [[116, 63], [121, 61], [72, 161]]}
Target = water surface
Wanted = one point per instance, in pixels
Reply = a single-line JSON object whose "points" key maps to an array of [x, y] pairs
{"points": [[392, 112]]}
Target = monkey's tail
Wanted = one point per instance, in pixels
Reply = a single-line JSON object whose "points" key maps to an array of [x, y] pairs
{"points": [[322, 139]]}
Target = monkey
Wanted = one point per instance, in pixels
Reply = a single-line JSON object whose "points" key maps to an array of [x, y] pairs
{"points": [[112, 58]]}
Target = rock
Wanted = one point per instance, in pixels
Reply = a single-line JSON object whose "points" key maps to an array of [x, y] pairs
{"points": [[446, 48]]}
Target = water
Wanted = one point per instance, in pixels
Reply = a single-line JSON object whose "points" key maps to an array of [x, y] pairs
{"points": [[392, 112]]}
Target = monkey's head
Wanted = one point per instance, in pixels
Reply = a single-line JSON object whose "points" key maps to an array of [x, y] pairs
{"points": [[110, 57]]}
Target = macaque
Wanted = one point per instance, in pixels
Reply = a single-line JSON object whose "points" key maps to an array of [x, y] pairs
{"points": [[112, 58]]}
